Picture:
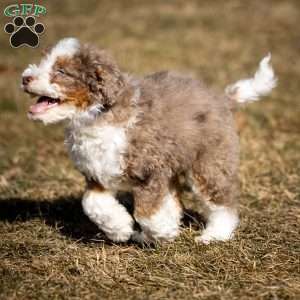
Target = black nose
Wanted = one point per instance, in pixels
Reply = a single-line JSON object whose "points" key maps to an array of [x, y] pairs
{"points": [[26, 79]]}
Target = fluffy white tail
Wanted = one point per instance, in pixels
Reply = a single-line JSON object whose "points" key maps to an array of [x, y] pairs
{"points": [[251, 89]]}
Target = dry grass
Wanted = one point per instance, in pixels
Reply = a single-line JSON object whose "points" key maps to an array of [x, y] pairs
{"points": [[49, 250]]}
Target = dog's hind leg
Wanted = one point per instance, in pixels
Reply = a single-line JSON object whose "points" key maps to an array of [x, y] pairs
{"points": [[215, 188], [221, 216], [102, 207]]}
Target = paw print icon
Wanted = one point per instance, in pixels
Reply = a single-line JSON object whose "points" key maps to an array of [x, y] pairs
{"points": [[24, 32]]}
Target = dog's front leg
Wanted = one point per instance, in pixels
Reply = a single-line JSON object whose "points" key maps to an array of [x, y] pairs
{"points": [[102, 207], [157, 210]]}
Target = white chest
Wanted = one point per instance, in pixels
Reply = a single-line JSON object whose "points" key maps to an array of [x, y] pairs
{"points": [[98, 153]]}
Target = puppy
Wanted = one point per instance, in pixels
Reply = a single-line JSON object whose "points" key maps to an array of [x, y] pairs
{"points": [[143, 136]]}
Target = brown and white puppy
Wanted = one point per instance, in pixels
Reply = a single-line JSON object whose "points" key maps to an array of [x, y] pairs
{"points": [[141, 135]]}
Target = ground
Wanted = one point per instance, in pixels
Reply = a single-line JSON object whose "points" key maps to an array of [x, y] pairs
{"points": [[48, 248]]}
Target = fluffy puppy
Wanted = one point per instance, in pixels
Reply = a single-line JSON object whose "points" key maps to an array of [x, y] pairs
{"points": [[141, 135]]}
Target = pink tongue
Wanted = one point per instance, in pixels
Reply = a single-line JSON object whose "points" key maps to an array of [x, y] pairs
{"points": [[38, 107]]}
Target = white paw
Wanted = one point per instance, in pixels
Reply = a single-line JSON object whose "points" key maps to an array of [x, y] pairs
{"points": [[120, 235], [149, 238], [109, 215], [163, 226], [207, 237], [204, 239], [222, 222]]}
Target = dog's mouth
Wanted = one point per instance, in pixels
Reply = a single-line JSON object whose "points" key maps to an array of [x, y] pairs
{"points": [[43, 104]]}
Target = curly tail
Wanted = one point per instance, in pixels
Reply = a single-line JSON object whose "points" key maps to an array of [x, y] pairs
{"points": [[251, 89]]}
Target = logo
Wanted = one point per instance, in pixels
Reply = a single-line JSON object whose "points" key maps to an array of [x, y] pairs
{"points": [[24, 30]]}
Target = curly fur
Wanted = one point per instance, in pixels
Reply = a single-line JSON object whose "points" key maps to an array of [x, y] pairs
{"points": [[140, 135]]}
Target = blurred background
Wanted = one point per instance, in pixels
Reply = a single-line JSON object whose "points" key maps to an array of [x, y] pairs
{"points": [[218, 41]]}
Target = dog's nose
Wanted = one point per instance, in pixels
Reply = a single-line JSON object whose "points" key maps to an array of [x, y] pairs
{"points": [[26, 79]]}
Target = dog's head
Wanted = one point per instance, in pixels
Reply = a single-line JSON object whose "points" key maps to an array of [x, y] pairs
{"points": [[72, 79]]}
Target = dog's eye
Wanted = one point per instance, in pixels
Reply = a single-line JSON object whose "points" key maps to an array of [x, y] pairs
{"points": [[61, 72]]}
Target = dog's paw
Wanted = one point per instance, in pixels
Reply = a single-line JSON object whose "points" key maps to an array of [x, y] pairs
{"points": [[24, 32], [120, 236], [208, 237], [204, 239]]}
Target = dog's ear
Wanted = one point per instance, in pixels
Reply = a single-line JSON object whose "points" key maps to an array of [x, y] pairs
{"points": [[109, 82], [104, 78]]}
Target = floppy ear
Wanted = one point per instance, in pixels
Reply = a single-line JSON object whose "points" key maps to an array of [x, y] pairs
{"points": [[109, 83], [102, 75]]}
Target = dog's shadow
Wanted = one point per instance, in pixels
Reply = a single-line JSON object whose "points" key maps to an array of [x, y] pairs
{"points": [[67, 216], [64, 214]]}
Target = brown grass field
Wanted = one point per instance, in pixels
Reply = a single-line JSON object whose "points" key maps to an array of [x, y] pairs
{"points": [[48, 248]]}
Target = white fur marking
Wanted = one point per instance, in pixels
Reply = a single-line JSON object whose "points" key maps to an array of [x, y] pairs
{"points": [[108, 214], [98, 152], [40, 84], [164, 224], [222, 221], [251, 89]]}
